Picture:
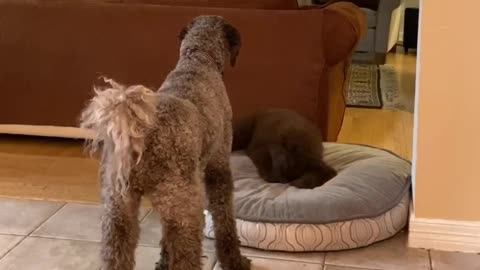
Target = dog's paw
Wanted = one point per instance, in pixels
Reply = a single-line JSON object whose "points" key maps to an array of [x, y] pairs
{"points": [[161, 266], [245, 263], [241, 264]]}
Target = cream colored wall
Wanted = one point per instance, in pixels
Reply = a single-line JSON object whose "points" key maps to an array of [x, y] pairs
{"points": [[448, 152], [302, 3], [412, 3]]}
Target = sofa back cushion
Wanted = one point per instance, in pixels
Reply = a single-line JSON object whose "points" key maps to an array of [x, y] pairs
{"points": [[370, 4], [248, 4], [52, 55]]}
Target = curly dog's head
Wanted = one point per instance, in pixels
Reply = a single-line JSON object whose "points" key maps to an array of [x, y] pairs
{"points": [[214, 36]]}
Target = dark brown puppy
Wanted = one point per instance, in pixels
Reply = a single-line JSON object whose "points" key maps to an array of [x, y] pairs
{"points": [[285, 147]]}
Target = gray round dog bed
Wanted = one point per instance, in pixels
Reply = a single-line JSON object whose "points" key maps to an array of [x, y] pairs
{"points": [[366, 202]]}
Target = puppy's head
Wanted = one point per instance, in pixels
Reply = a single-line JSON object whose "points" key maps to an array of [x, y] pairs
{"points": [[213, 35]]}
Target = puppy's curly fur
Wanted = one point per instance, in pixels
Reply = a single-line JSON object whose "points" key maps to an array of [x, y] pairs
{"points": [[284, 146], [171, 146]]}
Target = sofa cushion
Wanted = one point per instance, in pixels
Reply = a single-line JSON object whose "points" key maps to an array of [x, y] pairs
{"points": [[280, 64], [367, 43], [249, 4], [246, 4], [371, 17]]}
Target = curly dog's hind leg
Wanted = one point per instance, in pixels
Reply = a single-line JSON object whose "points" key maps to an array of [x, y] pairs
{"points": [[180, 202]]}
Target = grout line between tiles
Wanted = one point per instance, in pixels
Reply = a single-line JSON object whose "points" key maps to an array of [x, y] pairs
{"points": [[147, 215], [83, 240], [430, 259], [13, 234], [148, 245], [92, 241], [14, 246], [64, 238], [282, 259], [352, 267], [47, 219], [325, 259], [47, 200]]}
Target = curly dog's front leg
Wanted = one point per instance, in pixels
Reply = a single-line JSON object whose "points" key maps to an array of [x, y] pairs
{"points": [[219, 188]]}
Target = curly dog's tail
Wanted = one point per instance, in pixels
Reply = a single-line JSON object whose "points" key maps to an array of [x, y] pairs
{"points": [[120, 116]]}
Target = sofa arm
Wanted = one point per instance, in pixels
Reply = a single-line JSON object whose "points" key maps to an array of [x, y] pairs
{"points": [[345, 25]]}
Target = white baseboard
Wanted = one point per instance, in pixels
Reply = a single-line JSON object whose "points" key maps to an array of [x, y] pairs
{"points": [[48, 131], [448, 235]]}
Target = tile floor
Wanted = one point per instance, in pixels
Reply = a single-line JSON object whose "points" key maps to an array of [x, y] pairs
{"points": [[52, 235]]}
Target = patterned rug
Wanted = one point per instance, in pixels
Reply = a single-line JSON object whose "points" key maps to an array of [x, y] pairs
{"points": [[372, 86]]}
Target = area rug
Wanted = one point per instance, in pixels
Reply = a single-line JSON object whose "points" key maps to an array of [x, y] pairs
{"points": [[372, 86]]}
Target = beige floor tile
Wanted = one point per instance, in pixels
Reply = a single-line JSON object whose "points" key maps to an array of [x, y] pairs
{"points": [[146, 258], [208, 245], [21, 217], [391, 254], [336, 267], [76, 222], [151, 230], [442, 260], [151, 233], [310, 257], [209, 261], [7, 242], [271, 264], [49, 254]]}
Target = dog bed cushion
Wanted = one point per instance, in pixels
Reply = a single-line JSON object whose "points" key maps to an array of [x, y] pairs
{"points": [[366, 202]]}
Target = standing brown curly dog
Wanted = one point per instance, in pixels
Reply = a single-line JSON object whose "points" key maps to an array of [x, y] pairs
{"points": [[170, 146]]}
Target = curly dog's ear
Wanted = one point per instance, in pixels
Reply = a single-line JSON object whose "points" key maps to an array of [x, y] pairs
{"points": [[233, 38], [184, 31]]}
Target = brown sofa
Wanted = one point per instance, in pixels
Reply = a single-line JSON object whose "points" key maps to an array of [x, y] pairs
{"points": [[53, 52]]}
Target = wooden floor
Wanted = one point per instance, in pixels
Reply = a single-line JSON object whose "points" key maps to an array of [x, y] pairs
{"points": [[57, 169], [392, 130], [385, 129]]}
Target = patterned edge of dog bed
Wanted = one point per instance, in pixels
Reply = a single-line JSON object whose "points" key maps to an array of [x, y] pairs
{"points": [[292, 237]]}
